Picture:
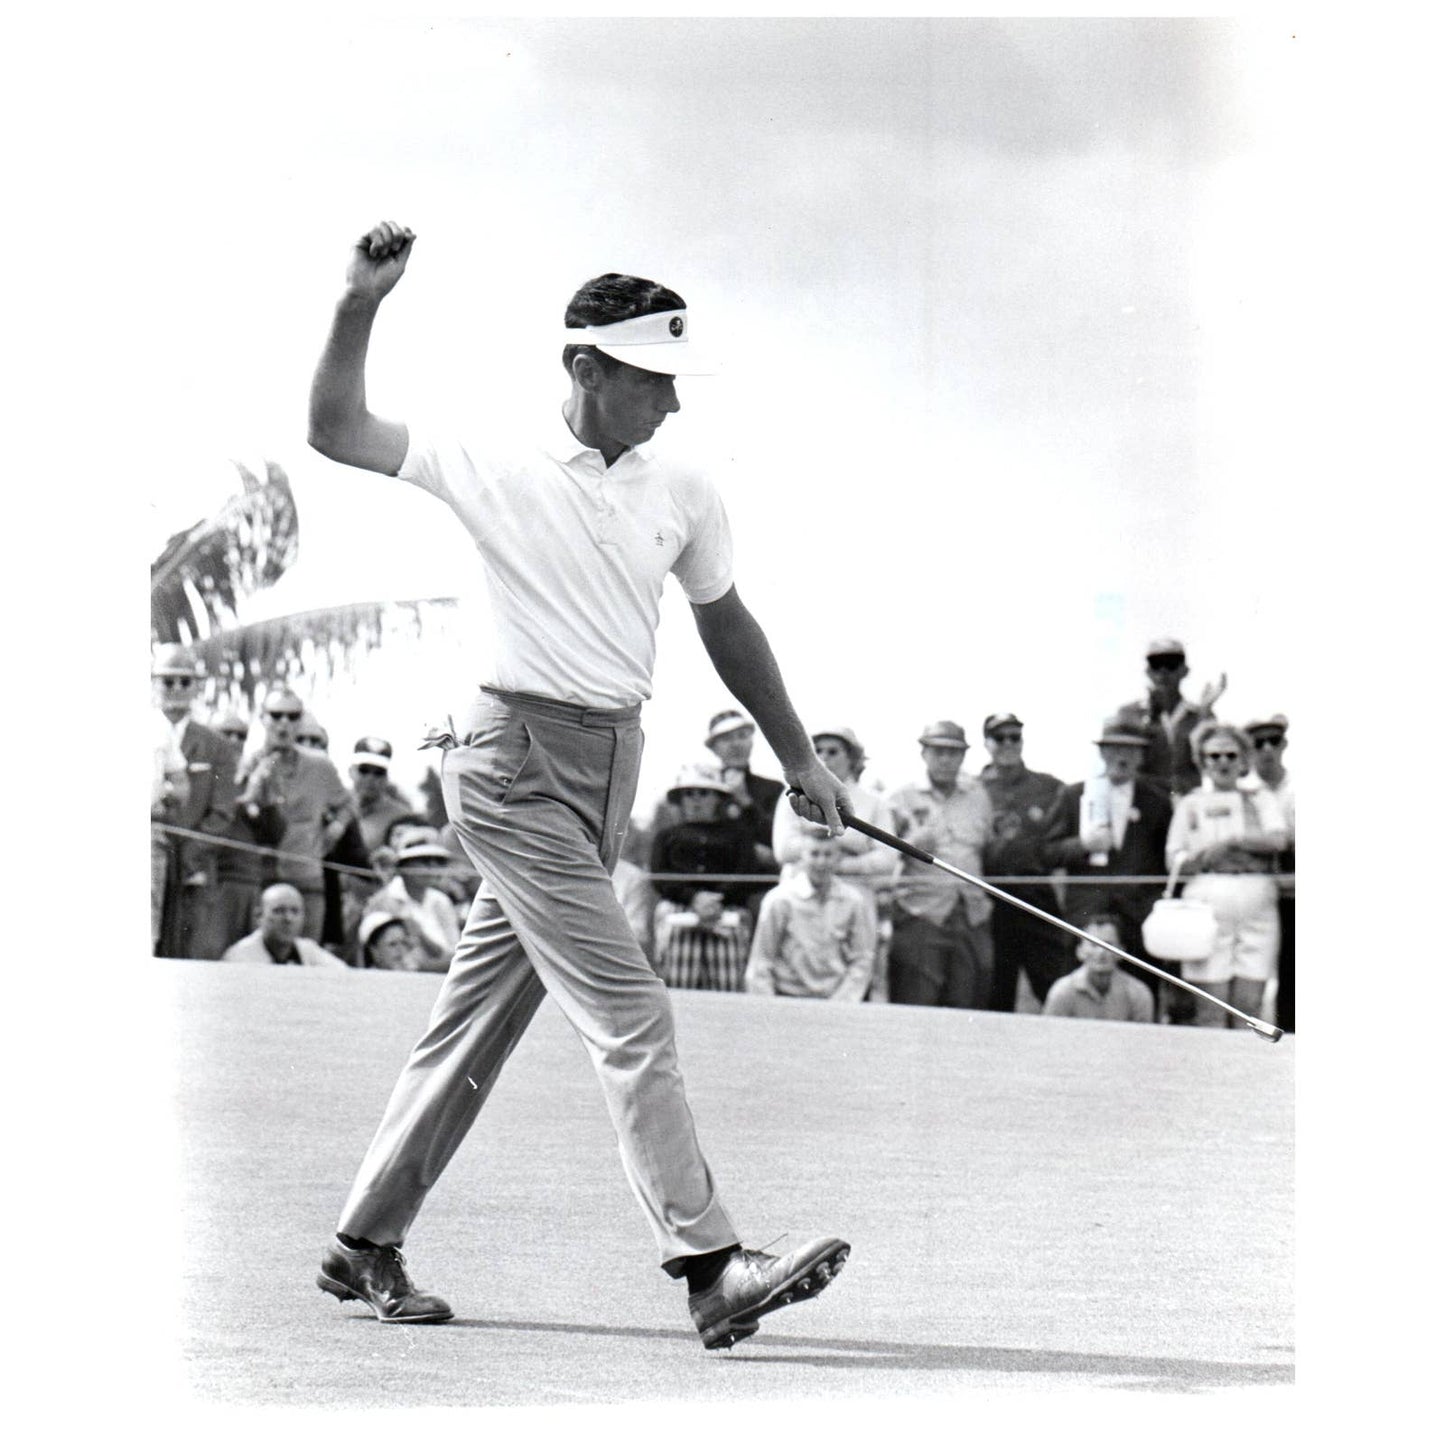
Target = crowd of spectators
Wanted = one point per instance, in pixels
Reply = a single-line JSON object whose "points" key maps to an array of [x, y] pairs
{"points": [[271, 856]]}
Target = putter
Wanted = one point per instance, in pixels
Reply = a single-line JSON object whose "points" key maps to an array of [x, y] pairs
{"points": [[881, 835]]}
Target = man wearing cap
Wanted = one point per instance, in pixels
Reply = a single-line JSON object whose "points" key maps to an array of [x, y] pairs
{"points": [[413, 895], [379, 803], [755, 799], [578, 524], [278, 938], [1021, 801], [1115, 824], [1168, 719], [942, 951], [1269, 737], [191, 921], [306, 787]]}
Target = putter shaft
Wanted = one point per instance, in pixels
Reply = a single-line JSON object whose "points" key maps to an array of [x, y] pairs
{"points": [[901, 845]]}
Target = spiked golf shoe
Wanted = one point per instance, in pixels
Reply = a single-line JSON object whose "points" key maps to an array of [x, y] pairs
{"points": [[753, 1284]]}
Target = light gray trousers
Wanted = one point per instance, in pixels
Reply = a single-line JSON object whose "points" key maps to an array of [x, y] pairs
{"points": [[540, 794]]}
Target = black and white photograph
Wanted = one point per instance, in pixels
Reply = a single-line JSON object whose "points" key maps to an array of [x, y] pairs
{"points": [[753, 564]]}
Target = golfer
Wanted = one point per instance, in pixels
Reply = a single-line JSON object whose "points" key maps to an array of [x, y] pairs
{"points": [[577, 526]]}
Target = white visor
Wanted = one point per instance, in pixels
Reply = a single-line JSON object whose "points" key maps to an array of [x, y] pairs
{"points": [[654, 343]]}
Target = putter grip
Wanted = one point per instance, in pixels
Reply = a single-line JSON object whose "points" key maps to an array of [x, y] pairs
{"points": [[882, 835]]}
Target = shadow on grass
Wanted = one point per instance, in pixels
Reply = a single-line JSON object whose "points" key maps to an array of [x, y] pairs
{"points": [[1128, 1371]]}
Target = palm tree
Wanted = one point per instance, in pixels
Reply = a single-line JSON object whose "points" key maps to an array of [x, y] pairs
{"points": [[205, 572]]}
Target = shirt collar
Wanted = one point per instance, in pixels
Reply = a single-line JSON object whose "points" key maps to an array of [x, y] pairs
{"points": [[561, 444]]}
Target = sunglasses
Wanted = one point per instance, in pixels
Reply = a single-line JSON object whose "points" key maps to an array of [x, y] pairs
{"points": [[1274, 740], [1165, 664], [365, 770], [1007, 737], [1221, 757], [281, 716]]}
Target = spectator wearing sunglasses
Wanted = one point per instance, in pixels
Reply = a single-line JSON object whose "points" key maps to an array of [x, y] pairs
{"points": [[203, 800], [306, 787], [1269, 737], [1227, 840], [379, 803], [1168, 718], [1022, 800]]}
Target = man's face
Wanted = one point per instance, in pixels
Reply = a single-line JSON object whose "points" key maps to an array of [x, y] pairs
{"points": [[820, 860], [630, 403], [281, 916], [1269, 755], [699, 805], [942, 763], [1121, 761], [281, 714], [1166, 674], [1099, 961], [1006, 746], [174, 695], [833, 754], [369, 781], [735, 748]]}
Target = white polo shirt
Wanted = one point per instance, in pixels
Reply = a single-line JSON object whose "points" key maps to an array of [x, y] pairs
{"points": [[575, 553]]}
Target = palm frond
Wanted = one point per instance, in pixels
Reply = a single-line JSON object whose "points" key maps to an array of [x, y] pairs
{"points": [[307, 647], [204, 572]]}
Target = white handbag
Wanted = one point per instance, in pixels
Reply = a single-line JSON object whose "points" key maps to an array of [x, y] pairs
{"points": [[1179, 928]]}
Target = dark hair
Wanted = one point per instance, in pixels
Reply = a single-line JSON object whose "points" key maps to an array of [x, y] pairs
{"points": [[614, 297], [1091, 918]]}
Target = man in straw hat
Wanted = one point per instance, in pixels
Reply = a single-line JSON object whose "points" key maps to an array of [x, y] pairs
{"points": [[578, 523]]}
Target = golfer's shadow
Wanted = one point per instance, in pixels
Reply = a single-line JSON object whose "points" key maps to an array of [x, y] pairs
{"points": [[1139, 1371]]}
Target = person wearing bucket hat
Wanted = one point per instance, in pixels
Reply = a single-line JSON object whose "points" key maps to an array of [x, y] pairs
{"points": [[1115, 824], [414, 894], [577, 523], [942, 950], [205, 803], [701, 929], [1021, 797], [1168, 718]]}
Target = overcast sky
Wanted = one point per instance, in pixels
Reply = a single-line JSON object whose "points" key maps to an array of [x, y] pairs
{"points": [[995, 299]]}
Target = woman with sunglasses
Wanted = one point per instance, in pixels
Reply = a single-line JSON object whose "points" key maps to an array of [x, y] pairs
{"points": [[1227, 840]]}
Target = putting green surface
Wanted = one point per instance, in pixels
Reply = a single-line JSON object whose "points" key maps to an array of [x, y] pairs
{"points": [[1033, 1204]]}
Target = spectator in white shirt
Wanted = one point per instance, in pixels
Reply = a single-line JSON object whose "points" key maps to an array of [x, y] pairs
{"points": [[279, 938], [816, 936]]}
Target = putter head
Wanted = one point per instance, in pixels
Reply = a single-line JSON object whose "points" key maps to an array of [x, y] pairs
{"points": [[1268, 1031]]}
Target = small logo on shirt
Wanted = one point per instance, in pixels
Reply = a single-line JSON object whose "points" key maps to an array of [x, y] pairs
{"points": [[657, 539], [675, 326]]}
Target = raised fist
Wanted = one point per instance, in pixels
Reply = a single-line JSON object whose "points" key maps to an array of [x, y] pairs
{"points": [[378, 259]]}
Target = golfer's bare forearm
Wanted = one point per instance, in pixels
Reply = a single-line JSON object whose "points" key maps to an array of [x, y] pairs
{"points": [[339, 424], [748, 669]]}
